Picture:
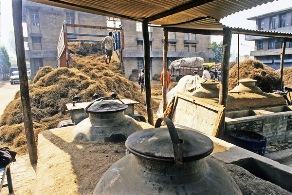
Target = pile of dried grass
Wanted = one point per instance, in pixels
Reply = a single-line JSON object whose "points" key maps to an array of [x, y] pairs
{"points": [[267, 78], [53, 88], [85, 48], [287, 76]]}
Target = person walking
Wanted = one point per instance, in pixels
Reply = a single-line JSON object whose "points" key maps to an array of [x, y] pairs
{"points": [[141, 80], [167, 79], [206, 74], [108, 43]]}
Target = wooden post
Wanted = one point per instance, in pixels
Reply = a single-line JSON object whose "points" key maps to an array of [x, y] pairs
{"points": [[227, 35], [24, 90], [147, 70], [238, 59], [165, 47], [122, 50], [282, 63]]}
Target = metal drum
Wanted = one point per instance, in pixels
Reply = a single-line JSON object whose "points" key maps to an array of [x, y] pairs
{"points": [[167, 161], [106, 123]]}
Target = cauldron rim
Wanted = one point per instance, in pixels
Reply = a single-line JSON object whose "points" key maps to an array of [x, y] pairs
{"points": [[118, 107], [195, 145]]}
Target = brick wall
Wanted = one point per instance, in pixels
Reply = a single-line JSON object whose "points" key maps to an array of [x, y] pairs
{"points": [[275, 126]]}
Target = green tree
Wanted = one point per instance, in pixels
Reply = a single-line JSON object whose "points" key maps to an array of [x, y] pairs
{"points": [[218, 51], [4, 61]]}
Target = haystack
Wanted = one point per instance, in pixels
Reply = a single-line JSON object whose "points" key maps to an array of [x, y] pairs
{"points": [[287, 76], [267, 78], [53, 88]]}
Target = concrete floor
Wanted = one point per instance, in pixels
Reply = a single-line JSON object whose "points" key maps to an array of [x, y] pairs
{"points": [[23, 173]]}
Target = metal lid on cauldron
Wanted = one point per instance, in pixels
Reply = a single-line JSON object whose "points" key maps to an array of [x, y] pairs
{"points": [[157, 144], [106, 106]]}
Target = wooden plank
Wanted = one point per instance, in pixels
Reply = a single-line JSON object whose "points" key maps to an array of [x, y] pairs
{"points": [[282, 63], [219, 120], [225, 66], [165, 69], [147, 70], [187, 111], [86, 35], [238, 59], [92, 26], [180, 8], [24, 90], [61, 43], [223, 94]]}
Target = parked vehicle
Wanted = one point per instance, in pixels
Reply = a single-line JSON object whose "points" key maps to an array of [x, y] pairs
{"points": [[14, 77]]}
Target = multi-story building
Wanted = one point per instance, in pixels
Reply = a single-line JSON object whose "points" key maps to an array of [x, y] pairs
{"points": [[0, 20], [44, 24], [268, 49]]}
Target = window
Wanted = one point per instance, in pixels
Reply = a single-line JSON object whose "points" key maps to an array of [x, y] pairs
{"points": [[273, 22], [186, 48], [36, 40], [271, 44], [140, 63], [261, 24], [289, 44], [70, 17], [38, 62], [278, 43], [171, 35], [140, 45], [282, 20], [139, 27], [194, 47], [113, 22], [259, 44], [34, 17], [189, 36], [171, 47]]}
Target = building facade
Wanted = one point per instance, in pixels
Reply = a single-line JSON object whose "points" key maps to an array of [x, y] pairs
{"points": [[268, 49], [0, 20], [44, 24]]}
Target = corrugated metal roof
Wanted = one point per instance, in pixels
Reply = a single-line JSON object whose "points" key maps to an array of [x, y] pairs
{"points": [[213, 31], [175, 15], [166, 12]]}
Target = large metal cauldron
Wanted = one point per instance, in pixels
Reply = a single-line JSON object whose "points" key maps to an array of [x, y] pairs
{"points": [[106, 123], [163, 164]]}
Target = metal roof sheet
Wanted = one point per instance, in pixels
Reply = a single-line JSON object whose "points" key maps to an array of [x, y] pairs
{"points": [[166, 12], [219, 31], [194, 16]]}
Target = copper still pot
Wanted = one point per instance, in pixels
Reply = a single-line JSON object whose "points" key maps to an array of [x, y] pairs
{"points": [[167, 161], [246, 85], [106, 123], [208, 89]]}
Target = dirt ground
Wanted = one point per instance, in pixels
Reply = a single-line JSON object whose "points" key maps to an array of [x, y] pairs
{"points": [[67, 167]]}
